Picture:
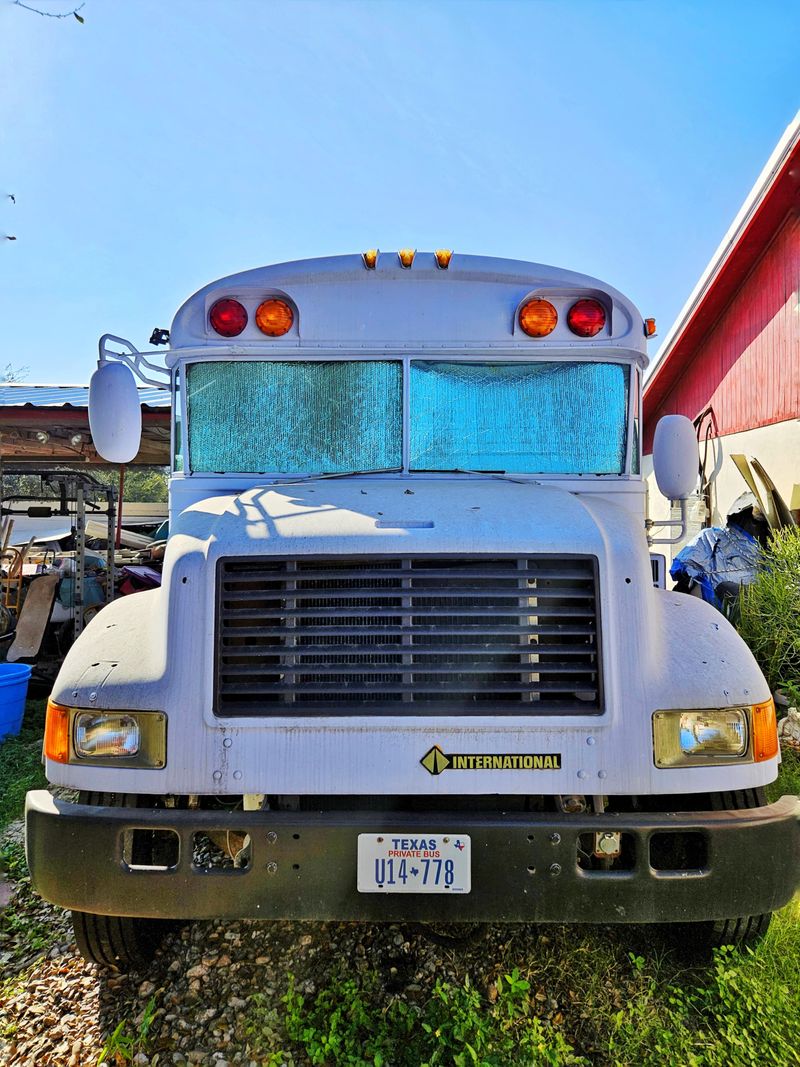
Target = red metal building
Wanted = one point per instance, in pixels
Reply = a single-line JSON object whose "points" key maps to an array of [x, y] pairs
{"points": [[731, 361]]}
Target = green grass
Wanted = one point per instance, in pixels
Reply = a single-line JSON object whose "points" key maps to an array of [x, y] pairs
{"points": [[21, 763], [615, 1008], [788, 780]]}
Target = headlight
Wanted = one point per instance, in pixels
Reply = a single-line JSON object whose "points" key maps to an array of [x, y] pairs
{"points": [[98, 734], [105, 738], [701, 738]]}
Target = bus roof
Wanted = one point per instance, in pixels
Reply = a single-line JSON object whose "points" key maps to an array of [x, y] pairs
{"points": [[341, 303]]}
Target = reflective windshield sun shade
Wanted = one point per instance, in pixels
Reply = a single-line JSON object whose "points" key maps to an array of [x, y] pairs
{"points": [[294, 417], [538, 418]]}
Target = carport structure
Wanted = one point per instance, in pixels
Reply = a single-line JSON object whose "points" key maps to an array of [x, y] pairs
{"points": [[44, 429], [49, 424]]}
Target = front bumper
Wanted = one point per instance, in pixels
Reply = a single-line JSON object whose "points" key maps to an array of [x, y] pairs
{"points": [[524, 865]]}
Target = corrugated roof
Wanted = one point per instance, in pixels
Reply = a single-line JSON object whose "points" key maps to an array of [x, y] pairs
{"points": [[18, 394]]}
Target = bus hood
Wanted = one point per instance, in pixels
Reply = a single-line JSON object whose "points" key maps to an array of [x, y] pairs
{"points": [[366, 515]]}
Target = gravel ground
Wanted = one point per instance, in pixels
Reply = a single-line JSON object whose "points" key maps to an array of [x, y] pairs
{"points": [[61, 1010]]}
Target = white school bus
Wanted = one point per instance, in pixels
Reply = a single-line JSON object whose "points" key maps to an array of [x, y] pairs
{"points": [[408, 661]]}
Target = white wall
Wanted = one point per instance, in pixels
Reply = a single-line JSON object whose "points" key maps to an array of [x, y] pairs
{"points": [[777, 447]]}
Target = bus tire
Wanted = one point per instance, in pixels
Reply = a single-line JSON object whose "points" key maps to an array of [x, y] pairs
{"points": [[117, 942], [742, 930]]}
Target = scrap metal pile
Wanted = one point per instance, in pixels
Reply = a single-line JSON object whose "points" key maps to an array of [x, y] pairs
{"points": [[63, 557]]}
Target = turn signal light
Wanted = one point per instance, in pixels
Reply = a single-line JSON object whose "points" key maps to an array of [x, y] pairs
{"points": [[56, 733], [406, 256], [765, 731], [228, 317], [443, 257], [538, 318], [649, 327], [586, 318], [274, 318]]}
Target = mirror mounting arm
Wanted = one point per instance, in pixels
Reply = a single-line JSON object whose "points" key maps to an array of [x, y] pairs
{"points": [[135, 360], [682, 523]]}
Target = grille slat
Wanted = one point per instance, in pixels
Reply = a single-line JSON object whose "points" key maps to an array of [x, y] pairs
{"points": [[240, 652], [377, 611], [232, 671], [261, 573], [435, 635], [467, 593], [567, 630]]}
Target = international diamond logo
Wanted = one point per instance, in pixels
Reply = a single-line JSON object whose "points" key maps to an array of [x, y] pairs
{"points": [[434, 761]]}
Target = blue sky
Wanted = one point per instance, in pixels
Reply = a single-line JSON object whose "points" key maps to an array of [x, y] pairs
{"points": [[165, 143]]}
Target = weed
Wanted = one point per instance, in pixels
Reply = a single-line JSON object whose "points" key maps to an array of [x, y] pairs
{"points": [[347, 1025], [463, 1030], [22, 925], [124, 1042], [21, 763], [739, 1011]]}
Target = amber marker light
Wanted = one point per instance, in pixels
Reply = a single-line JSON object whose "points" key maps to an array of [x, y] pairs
{"points": [[443, 257], [649, 327], [370, 258], [274, 318], [538, 318], [406, 256], [56, 733], [765, 731]]}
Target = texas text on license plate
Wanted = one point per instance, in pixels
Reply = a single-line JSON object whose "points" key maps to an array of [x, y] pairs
{"points": [[413, 863]]}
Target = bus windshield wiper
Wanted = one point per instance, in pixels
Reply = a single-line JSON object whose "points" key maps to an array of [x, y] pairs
{"points": [[337, 474], [503, 476]]}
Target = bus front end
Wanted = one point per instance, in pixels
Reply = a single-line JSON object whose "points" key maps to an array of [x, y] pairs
{"points": [[407, 660]]}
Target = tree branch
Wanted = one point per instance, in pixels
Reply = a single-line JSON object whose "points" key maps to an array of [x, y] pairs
{"points": [[52, 14]]}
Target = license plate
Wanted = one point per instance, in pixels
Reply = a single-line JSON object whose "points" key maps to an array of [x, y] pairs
{"points": [[413, 863]]}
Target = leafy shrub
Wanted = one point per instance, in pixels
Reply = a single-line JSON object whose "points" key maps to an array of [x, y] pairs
{"points": [[346, 1025], [769, 610]]}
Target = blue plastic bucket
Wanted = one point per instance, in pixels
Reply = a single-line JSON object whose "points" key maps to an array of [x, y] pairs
{"points": [[13, 690]]}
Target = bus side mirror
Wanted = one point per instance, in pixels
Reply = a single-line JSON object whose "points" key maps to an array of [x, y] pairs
{"points": [[115, 413], [676, 457]]}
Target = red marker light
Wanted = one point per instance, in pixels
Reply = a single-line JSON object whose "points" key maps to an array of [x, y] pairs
{"points": [[586, 318], [228, 317]]}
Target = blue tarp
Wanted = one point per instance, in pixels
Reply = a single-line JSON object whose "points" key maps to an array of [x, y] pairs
{"points": [[717, 555]]}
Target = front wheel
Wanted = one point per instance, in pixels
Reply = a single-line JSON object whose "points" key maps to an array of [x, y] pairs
{"points": [[116, 941], [746, 929], [119, 942]]}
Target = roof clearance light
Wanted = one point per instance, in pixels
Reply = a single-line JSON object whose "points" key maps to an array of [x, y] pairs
{"points": [[406, 256], [228, 317], [649, 327], [586, 318], [370, 258], [274, 318], [443, 257], [538, 318]]}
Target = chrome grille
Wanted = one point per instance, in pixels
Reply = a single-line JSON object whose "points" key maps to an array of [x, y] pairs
{"points": [[423, 634]]}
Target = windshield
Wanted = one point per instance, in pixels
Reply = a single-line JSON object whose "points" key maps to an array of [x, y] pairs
{"points": [[539, 418], [293, 416], [328, 417]]}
